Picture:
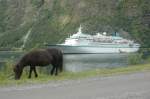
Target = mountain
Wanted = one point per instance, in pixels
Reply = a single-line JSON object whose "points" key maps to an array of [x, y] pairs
{"points": [[33, 23]]}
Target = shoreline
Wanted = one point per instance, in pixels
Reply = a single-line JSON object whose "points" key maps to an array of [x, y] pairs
{"points": [[44, 78]]}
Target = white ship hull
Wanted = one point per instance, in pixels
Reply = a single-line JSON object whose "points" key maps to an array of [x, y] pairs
{"points": [[93, 49]]}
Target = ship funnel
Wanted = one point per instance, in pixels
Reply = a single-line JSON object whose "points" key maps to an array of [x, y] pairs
{"points": [[79, 30], [104, 33]]}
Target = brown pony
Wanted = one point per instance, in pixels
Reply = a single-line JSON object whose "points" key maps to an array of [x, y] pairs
{"points": [[41, 57]]}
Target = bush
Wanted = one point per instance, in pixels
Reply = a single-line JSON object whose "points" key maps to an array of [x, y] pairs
{"points": [[134, 59], [6, 71]]}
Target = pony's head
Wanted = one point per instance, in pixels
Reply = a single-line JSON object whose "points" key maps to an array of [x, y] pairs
{"points": [[18, 71]]}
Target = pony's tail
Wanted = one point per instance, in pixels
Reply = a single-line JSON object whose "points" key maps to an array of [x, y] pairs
{"points": [[61, 63]]}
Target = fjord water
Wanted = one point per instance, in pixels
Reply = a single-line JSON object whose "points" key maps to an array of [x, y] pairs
{"points": [[81, 62], [78, 62]]}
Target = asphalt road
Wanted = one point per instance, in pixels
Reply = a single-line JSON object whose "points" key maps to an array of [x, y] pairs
{"points": [[127, 86]]}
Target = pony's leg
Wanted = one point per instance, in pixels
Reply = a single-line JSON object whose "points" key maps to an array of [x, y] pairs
{"points": [[58, 67], [52, 71], [30, 73], [56, 72], [36, 75], [31, 69]]}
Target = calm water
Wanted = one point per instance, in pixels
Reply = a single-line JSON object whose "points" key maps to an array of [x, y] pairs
{"points": [[79, 62]]}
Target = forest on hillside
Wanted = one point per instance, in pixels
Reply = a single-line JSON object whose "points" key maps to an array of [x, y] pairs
{"points": [[51, 21]]}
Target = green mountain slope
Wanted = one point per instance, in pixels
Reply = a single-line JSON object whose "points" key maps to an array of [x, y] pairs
{"points": [[33, 23]]}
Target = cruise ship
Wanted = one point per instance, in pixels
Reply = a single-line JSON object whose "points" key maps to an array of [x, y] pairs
{"points": [[80, 43]]}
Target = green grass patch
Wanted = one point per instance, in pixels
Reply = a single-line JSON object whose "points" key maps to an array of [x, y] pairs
{"points": [[5, 80]]}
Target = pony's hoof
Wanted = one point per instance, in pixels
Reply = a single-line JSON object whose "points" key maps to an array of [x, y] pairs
{"points": [[29, 77], [51, 73], [56, 74], [36, 76]]}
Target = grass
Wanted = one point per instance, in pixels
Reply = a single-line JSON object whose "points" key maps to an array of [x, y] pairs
{"points": [[5, 80]]}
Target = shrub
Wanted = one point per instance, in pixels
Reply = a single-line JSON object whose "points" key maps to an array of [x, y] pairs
{"points": [[134, 59], [6, 71]]}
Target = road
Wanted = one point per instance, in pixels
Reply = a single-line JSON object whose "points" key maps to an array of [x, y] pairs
{"points": [[125, 86]]}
